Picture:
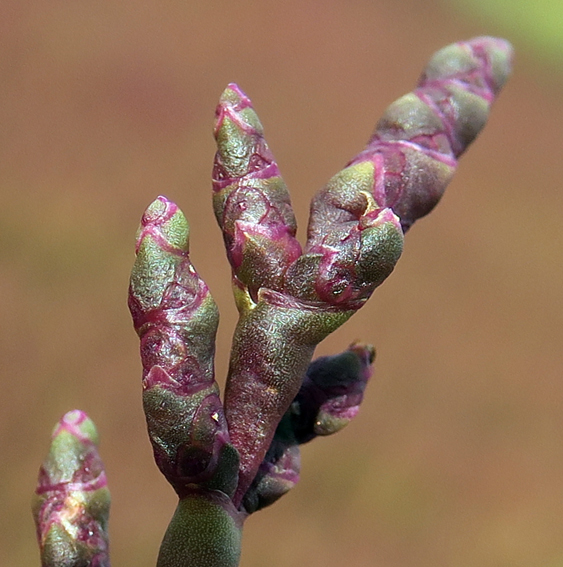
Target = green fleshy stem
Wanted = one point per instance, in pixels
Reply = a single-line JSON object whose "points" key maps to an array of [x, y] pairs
{"points": [[205, 531]]}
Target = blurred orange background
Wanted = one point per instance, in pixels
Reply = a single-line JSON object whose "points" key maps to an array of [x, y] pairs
{"points": [[456, 458]]}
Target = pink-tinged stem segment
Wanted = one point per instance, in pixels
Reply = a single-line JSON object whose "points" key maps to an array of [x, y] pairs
{"points": [[412, 154], [71, 502], [272, 347], [176, 320]]}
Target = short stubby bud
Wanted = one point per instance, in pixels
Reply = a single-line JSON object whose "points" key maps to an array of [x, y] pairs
{"points": [[250, 198], [332, 392], [353, 243], [71, 502]]}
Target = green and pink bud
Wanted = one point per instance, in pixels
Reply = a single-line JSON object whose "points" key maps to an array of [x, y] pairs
{"points": [[332, 392], [415, 146], [250, 198], [71, 503], [176, 320], [352, 245]]}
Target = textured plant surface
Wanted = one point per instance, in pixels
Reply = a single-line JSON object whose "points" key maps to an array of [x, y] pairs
{"points": [[227, 460], [71, 502]]}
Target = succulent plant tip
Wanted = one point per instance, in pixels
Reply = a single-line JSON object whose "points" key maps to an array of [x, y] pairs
{"points": [[231, 102], [498, 49], [71, 501], [233, 96], [165, 225], [77, 424], [159, 211]]}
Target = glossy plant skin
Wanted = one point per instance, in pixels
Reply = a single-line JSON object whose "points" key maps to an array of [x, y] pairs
{"points": [[228, 460]]}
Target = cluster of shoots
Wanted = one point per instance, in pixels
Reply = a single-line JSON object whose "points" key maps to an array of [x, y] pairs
{"points": [[227, 459]]}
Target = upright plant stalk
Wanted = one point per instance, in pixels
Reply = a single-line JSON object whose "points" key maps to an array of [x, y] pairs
{"points": [[290, 300], [176, 319], [228, 460]]}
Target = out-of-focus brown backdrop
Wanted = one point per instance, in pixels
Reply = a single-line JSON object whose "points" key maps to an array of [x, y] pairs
{"points": [[456, 458]]}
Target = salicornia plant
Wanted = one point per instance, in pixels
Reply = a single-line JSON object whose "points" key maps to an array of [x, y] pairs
{"points": [[226, 460]]}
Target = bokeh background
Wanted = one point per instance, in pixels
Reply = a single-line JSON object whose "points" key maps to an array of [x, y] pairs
{"points": [[456, 458]]}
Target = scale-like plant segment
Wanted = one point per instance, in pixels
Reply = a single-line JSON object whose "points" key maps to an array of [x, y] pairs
{"points": [[71, 502], [227, 460]]}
